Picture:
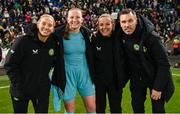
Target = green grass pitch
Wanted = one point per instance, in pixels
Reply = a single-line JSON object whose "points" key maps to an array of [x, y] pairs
{"points": [[171, 107]]}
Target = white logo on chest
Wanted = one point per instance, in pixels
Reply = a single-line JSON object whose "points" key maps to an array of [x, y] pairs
{"points": [[98, 48], [12, 51], [35, 51]]}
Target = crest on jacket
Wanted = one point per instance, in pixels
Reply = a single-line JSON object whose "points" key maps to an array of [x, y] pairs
{"points": [[136, 47], [51, 52]]}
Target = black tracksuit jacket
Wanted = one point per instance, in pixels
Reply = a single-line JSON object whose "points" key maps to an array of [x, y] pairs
{"points": [[59, 76], [149, 58], [109, 60], [28, 63], [103, 58]]}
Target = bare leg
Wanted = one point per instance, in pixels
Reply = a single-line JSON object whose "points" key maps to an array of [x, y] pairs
{"points": [[69, 106], [90, 105]]}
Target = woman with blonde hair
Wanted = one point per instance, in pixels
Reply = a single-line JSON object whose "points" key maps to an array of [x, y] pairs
{"points": [[108, 60], [28, 63]]}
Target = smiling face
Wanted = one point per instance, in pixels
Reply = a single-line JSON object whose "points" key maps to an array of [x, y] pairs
{"points": [[45, 25], [105, 25], [128, 23], [74, 19]]}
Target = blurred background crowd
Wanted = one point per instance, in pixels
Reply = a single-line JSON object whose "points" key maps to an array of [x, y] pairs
{"points": [[15, 15]]}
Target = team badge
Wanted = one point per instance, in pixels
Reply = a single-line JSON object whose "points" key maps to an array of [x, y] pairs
{"points": [[51, 52], [136, 47]]}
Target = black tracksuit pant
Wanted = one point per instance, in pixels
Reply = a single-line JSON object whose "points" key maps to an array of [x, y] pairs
{"points": [[138, 94], [114, 96], [40, 102]]}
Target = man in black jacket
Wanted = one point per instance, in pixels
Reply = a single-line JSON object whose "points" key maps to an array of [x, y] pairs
{"points": [[28, 64], [147, 62]]}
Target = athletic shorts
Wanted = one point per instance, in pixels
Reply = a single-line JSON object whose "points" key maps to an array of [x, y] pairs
{"points": [[78, 78]]}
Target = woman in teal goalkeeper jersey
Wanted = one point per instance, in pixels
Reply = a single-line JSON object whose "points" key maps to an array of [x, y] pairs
{"points": [[76, 64]]}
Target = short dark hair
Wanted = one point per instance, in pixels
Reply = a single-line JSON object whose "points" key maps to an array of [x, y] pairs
{"points": [[127, 11]]}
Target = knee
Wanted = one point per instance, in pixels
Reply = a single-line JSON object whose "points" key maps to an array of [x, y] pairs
{"points": [[70, 108], [91, 108]]}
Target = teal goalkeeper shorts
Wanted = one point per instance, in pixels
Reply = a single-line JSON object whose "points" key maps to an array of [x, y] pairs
{"points": [[78, 78]]}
